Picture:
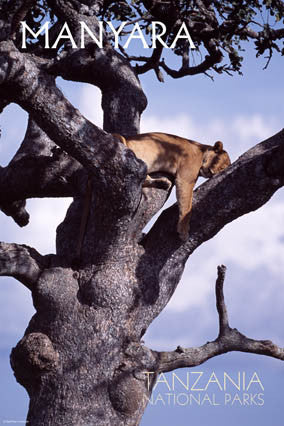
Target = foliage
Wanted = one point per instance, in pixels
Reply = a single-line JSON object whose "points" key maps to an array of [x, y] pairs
{"points": [[218, 28]]}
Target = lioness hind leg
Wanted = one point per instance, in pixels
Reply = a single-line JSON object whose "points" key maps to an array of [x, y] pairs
{"points": [[161, 182]]}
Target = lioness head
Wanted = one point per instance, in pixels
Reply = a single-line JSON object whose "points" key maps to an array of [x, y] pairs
{"points": [[215, 159]]}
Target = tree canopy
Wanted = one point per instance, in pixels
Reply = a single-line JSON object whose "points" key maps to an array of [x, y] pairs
{"points": [[218, 28]]}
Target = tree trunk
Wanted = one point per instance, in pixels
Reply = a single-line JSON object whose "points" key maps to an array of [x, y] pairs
{"points": [[73, 359], [80, 359]]}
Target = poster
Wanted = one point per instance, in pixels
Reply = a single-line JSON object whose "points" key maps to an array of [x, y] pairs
{"points": [[234, 388]]}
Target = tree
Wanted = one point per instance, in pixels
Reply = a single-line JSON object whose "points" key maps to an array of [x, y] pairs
{"points": [[81, 359]]}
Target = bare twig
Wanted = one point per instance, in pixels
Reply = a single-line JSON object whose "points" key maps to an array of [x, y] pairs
{"points": [[228, 340], [220, 301]]}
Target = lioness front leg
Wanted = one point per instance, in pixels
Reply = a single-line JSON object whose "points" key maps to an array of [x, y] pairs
{"points": [[184, 198]]}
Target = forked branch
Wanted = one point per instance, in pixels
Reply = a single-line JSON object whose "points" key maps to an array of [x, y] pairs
{"points": [[228, 340]]}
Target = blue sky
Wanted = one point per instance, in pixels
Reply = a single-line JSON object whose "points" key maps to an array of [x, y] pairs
{"points": [[240, 111]]}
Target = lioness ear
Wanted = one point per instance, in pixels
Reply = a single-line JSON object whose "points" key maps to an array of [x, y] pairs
{"points": [[218, 146]]}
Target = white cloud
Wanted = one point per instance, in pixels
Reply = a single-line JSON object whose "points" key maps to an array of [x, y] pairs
{"points": [[255, 126], [238, 135], [11, 134], [252, 242], [45, 215], [181, 124], [256, 240], [90, 104], [15, 311]]}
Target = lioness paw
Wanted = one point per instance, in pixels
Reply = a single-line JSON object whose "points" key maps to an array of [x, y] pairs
{"points": [[161, 183]]}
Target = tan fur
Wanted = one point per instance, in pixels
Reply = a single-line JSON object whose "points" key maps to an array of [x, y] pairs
{"points": [[184, 159]]}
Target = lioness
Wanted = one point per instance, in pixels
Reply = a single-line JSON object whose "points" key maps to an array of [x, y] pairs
{"points": [[182, 158]]}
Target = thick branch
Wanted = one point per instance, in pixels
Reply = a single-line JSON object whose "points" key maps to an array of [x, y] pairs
{"points": [[232, 341], [40, 176], [7, 12], [228, 340], [17, 210], [68, 128], [38, 169], [35, 143], [152, 62], [106, 69], [20, 16], [152, 200], [21, 262], [31, 93], [215, 56]]}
